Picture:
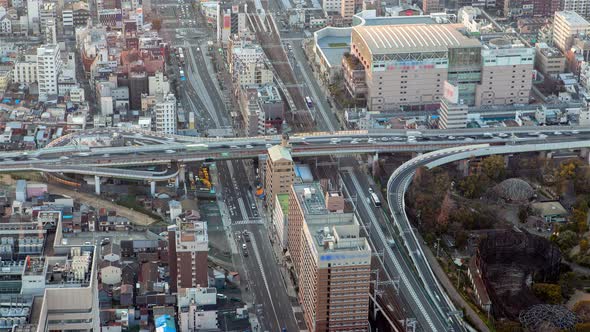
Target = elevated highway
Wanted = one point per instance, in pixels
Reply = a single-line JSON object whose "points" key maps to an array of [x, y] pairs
{"points": [[396, 189]]}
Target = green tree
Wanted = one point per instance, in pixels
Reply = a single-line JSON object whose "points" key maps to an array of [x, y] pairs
{"points": [[566, 240], [548, 293], [584, 245], [493, 167], [473, 186]]}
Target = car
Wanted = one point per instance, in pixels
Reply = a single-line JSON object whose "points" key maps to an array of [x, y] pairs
{"points": [[87, 243], [170, 151], [451, 137], [354, 141], [384, 139], [249, 146], [64, 157], [557, 133], [244, 246], [371, 140], [575, 132], [268, 145], [246, 236], [234, 147], [105, 241], [371, 190], [245, 253]]}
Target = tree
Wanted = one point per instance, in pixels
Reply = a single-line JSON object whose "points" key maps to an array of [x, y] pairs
{"points": [[493, 167], [584, 245], [548, 293], [567, 170], [473, 186], [523, 214], [445, 210], [566, 240], [157, 24]]}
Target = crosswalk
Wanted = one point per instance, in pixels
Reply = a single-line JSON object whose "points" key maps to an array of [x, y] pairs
{"points": [[248, 222]]}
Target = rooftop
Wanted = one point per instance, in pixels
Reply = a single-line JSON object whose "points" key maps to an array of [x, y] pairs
{"points": [[284, 201], [279, 152], [551, 208], [311, 198], [572, 18], [386, 39]]}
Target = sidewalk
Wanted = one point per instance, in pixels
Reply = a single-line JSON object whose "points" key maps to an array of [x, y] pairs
{"points": [[452, 292]]}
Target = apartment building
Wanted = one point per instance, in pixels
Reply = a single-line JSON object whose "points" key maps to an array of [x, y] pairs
{"points": [[48, 69], [332, 261], [165, 114], [568, 24], [25, 70], [188, 245], [280, 173]]}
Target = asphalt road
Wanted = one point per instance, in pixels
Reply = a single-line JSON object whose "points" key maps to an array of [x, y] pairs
{"points": [[395, 259], [261, 269]]}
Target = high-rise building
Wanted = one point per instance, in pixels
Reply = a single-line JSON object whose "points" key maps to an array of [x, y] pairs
{"points": [[33, 7], [138, 84], [50, 31], [165, 113], [280, 173], [48, 70], [188, 245], [47, 16], [332, 261], [567, 25]]}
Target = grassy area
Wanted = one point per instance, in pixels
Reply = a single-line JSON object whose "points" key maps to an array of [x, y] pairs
{"points": [[31, 176], [337, 44], [131, 203]]}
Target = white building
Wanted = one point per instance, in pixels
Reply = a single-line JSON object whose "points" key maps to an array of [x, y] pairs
{"points": [[50, 31], [453, 112], [568, 24], [25, 71], [5, 24], [158, 84], [67, 16], [191, 319], [175, 209], [165, 114], [33, 7], [48, 69]]}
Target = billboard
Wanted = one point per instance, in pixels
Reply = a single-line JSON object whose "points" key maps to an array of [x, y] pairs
{"points": [[451, 92]]}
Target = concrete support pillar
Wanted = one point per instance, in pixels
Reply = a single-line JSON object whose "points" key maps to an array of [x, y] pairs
{"points": [[585, 153], [97, 184], [416, 154], [181, 173], [463, 167], [176, 182], [153, 188]]}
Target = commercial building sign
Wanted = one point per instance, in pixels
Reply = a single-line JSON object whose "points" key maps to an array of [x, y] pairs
{"points": [[451, 92]]}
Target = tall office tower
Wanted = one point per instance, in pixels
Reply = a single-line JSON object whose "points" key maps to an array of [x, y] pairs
{"points": [[33, 7], [48, 69], [567, 25], [47, 16], [188, 245], [138, 84], [280, 173], [50, 31], [165, 111], [332, 261]]}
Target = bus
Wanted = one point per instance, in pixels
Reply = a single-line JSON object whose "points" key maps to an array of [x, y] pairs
{"points": [[375, 199], [308, 102]]}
